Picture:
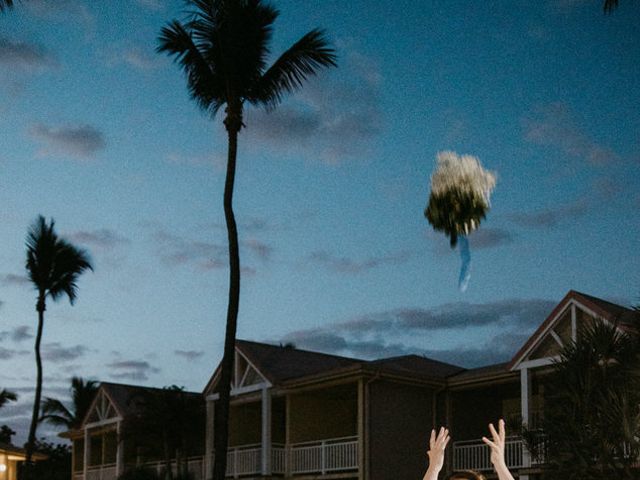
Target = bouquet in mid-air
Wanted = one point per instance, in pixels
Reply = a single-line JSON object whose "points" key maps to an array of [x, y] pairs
{"points": [[459, 200]]}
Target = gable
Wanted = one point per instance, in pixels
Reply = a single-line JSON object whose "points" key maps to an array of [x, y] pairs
{"points": [[246, 377], [564, 325], [102, 409]]}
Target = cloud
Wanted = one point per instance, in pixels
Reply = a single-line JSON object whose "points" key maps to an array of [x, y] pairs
{"points": [[21, 333], [408, 331], [175, 251], [82, 141], [102, 238], [16, 54], [351, 266], [555, 125], [8, 353], [332, 119], [137, 57], [550, 217], [488, 237], [136, 370], [190, 355], [13, 279], [62, 11], [56, 353]]}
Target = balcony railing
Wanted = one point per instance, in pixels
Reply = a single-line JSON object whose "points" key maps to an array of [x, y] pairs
{"points": [[475, 455], [339, 454], [321, 457]]}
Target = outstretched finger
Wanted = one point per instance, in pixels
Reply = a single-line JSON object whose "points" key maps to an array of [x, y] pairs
{"points": [[432, 440], [501, 429], [494, 434], [489, 442]]}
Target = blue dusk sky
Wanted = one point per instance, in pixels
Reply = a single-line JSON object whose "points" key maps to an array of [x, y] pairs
{"points": [[99, 133]]}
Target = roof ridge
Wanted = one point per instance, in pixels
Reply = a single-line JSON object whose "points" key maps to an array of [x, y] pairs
{"points": [[296, 349]]}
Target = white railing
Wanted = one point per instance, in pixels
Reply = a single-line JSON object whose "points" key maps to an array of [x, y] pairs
{"points": [[244, 460], [102, 472], [278, 458], [475, 455], [324, 456]]}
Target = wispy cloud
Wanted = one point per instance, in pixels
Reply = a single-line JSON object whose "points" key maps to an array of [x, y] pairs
{"points": [[25, 56], [331, 119], [137, 370], [56, 353], [21, 333], [81, 141], [352, 266], [556, 125], [155, 5], [103, 238], [190, 355], [138, 58], [66, 11], [490, 237], [9, 353], [407, 330], [14, 279], [550, 217]]}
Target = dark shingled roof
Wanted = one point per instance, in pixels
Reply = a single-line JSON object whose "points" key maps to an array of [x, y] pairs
{"points": [[124, 395], [480, 372], [280, 364], [284, 363], [623, 315]]}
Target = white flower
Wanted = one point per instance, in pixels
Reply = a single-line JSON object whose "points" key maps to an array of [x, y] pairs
{"points": [[462, 172]]}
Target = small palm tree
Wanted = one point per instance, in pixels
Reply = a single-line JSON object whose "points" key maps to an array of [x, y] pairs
{"points": [[53, 266], [223, 51], [56, 413], [7, 396]]}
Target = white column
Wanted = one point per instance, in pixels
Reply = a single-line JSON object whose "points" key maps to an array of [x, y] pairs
{"points": [[266, 432], [525, 395], [208, 442], [361, 434], [119, 451], [87, 453]]}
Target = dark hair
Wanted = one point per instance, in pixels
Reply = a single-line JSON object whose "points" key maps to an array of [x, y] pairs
{"points": [[466, 475]]}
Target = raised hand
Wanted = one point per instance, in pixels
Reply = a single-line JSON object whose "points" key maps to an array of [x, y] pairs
{"points": [[497, 450], [437, 445]]}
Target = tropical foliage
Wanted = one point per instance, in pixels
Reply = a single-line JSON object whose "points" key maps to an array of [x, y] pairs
{"points": [[592, 414], [53, 267], [223, 50], [56, 413], [7, 396]]}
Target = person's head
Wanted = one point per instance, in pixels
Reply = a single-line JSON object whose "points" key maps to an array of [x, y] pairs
{"points": [[466, 475]]}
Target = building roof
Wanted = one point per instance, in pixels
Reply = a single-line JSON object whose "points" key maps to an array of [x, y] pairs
{"points": [[123, 396], [8, 449], [480, 373]]}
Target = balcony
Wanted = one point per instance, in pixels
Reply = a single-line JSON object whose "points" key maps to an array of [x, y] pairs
{"points": [[475, 455], [321, 457]]}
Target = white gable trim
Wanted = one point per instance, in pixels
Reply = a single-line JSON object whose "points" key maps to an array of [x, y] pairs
{"points": [[100, 393], [240, 389]]}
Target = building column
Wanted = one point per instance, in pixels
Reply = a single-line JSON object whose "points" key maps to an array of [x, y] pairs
{"points": [[119, 450], [208, 441], [287, 435], [361, 435], [266, 431], [525, 397], [87, 453]]}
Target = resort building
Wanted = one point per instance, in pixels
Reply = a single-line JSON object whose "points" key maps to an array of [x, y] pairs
{"points": [[11, 457], [305, 415]]}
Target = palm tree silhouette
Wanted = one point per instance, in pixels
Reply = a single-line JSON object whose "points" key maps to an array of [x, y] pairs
{"points": [[53, 266], [223, 52], [56, 413], [7, 396], [5, 4]]}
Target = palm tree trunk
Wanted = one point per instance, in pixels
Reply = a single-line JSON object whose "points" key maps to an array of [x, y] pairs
{"points": [[31, 442], [233, 124]]}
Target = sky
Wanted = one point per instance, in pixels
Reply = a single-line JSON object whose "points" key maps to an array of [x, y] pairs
{"points": [[98, 132]]}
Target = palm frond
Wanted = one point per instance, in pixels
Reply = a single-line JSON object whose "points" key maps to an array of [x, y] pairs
{"points": [[203, 83], [56, 413], [288, 73], [7, 396], [53, 264]]}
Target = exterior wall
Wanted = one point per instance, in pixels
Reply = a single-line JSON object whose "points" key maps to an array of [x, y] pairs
{"points": [[473, 409], [245, 424], [322, 414], [399, 419], [278, 420]]}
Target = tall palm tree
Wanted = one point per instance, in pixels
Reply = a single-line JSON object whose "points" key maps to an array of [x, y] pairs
{"points": [[223, 50], [53, 266], [56, 413], [7, 396]]}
